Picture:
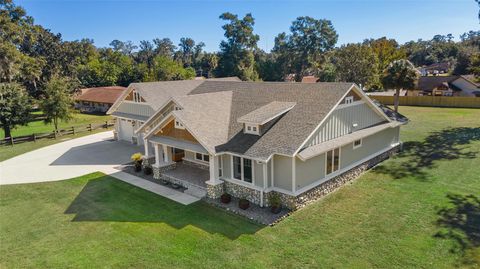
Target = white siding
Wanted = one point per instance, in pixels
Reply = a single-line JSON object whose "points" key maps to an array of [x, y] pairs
{"points": [[341, 121]]}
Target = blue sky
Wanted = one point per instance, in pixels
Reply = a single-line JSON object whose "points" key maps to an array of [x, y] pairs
{"points": [[354, 20]]}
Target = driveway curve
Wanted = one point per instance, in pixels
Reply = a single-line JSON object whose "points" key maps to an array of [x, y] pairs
{"points": [[73, 158]]}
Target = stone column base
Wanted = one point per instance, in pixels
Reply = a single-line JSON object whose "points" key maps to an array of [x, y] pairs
{"points": [[214, 190], [157, 170]]}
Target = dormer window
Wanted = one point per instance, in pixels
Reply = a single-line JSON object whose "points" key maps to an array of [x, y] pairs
{"points": [[136, 97], [348, 100], [251, 129], [179, 125]]}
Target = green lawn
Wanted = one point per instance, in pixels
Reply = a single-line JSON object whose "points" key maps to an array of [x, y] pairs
{"points": [[39, 126], [8, 151], [79, 120], [402, 214]]}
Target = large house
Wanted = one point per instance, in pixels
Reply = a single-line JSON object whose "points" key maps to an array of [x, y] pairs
{"points": [[252, 139], [448, 86], [97, 100]]}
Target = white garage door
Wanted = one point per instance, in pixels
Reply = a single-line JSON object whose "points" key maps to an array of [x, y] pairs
{"points": [[125, 130]]}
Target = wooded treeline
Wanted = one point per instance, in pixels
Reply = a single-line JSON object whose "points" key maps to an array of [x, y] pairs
{"points": [[31, 55]]}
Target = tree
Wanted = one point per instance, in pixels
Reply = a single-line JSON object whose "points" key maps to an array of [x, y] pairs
{"points": [[387, 51], [167, 69], [164, 47], [303, 49], [357, 63], [123, 47], [186, 46], [400, 74], [236, 53], [58, 103], [15, 106]]}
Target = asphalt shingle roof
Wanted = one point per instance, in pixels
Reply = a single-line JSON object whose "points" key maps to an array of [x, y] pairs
{"points": [[313, 102], [267, 112]]}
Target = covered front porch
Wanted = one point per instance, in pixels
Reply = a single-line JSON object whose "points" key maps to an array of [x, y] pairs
{"points": [[182, 163]]}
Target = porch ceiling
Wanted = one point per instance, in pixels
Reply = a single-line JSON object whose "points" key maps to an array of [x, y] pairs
{"points": [[180, 144]]}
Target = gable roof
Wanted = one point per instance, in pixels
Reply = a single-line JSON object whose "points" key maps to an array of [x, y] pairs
{"points": [[427, 84], [313, 102], [101, 94]]}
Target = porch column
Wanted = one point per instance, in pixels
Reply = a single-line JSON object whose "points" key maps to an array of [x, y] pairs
{"points": [[166, 155], [145, 145], [213, 167], [157, 155]]}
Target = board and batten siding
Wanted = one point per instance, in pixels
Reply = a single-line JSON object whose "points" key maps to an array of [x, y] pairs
{"points": [[342, 119], [313, 170], [140, 109], [370, 146]]}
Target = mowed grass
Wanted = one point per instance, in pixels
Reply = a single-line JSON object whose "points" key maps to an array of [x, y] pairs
{"points": [[402, 214], [39, 126]]}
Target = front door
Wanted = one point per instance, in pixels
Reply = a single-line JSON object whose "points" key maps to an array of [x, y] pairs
{"points": [[178, 154]]}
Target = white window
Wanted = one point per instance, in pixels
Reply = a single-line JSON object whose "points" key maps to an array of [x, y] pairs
{"points": [[242, 169], [348, 99], [202, 157], [357, 143], [136, 97], [179, 125], [251, 129], [332, 161]]}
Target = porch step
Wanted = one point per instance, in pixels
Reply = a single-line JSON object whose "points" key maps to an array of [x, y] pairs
{"points": [[195, 192]]}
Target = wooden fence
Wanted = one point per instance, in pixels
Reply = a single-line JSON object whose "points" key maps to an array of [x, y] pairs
{"points": [[54, 135], [438, 101]]}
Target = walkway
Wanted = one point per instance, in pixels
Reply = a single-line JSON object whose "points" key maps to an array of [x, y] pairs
{"points": [[78, 157]]}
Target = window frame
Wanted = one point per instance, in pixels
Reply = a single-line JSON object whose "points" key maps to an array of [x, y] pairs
{"points": [[251, 129], [203, 157], [179, 125], [359, 145], [242, 169], [332, 162], [349, 100]]}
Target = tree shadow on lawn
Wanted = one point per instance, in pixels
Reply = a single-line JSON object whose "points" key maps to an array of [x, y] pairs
{"points": [[109, 199], [419, 155], [461, 222]]}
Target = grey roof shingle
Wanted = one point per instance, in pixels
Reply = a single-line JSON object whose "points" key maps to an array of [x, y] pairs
{"points": [[267, 112], [313, 102]]}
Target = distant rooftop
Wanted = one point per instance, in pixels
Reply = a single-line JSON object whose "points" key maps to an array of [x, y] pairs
{"points": [[101, 94]]}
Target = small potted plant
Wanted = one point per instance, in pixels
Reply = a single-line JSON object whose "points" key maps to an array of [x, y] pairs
{"points": [[226, 198], [137, 159], [243, 203], [275, 203], [147, 170]]}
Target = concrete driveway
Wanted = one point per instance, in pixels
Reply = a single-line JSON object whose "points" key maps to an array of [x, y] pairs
{"points": [[73, 158]]}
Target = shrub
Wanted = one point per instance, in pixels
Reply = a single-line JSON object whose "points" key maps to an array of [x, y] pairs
{"points": [[275, 202], [137, 157]]}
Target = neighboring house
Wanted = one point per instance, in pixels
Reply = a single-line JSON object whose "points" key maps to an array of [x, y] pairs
{"points": [[447, 86], [97, 100], [388, 93], [435, 69], [252, 139], [305, 79]]}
